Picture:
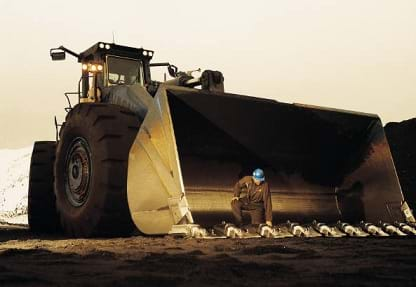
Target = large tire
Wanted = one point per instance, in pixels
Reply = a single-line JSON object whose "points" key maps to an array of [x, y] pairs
{"points": [[42, 215], [91, 170]]}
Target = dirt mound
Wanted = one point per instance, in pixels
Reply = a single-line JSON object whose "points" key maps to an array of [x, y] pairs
{"points": [[402, 140], [14, 175]]}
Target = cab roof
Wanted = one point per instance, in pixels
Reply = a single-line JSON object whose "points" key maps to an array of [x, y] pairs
{"points": [[101, 49]]}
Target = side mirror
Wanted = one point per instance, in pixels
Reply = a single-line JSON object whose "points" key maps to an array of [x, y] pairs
{"points": [[57, 54]]}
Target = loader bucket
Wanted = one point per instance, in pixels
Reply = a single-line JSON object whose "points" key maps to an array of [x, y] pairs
{"points": [[321, 164]]}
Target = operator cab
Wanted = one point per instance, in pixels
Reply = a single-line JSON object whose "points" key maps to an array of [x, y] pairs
{"points": [[105, 65]]}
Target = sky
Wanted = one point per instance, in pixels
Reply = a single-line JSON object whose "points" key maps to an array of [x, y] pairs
{"points": [[357, 55]]}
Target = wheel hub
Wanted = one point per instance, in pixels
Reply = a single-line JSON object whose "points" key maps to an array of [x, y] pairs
{"points": [[78, 171]]}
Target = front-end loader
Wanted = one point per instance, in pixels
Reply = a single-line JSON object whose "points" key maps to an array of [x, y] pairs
{"points": [[162, 157]]}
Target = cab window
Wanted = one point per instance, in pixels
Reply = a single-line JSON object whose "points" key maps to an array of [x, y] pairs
{"points": [[124, 71]]}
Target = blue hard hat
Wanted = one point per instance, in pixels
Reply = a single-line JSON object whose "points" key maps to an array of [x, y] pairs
{"points": [[258, 174]]}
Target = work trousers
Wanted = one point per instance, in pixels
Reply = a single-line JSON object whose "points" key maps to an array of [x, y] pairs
{"points": [[256, 211]]}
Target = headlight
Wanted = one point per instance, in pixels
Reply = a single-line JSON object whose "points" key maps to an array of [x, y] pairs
{"points": [[92, 68], [107, 46], [101, 45]]}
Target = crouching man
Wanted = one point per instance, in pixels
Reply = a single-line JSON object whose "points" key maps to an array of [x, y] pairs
{"points": [[257, 201]]}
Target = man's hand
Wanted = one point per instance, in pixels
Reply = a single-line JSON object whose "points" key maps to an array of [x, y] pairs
{"points": [[234, 198], [269, 223]]}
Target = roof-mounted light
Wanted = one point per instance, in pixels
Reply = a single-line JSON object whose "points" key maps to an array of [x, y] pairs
{"points": [[147, 53], [104, 46]]}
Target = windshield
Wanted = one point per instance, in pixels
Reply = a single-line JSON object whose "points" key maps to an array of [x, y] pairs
{"points": [[123, 71]]}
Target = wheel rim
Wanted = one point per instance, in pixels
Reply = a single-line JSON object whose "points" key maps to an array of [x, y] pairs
{"points": [[78, 172]]}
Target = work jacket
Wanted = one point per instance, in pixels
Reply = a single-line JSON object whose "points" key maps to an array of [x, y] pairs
{"points": [[255, 194]]}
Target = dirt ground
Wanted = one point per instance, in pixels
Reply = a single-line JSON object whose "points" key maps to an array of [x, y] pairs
{"points": [[30, 260]]}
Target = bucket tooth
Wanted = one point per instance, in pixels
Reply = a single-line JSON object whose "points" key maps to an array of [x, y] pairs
{"points": [[231, 231], [411, 224], [337, 232], [283, 231], [360, 232], [273, 232], [350, 230], [391, 229], [300, 231], [311, 232], [347, 228], [266, 231], [326, 230], [373, 229], [296, 229], [321, 228], [406, 228], [189, 230]]}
